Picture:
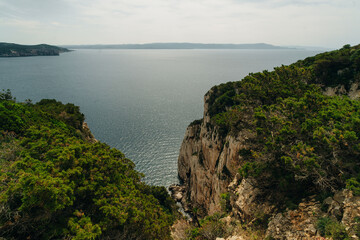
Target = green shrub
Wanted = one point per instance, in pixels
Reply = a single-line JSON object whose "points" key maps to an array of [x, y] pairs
{"points": [[56, 185], [225, 202], [321, 225], [300, 141], [196, 122], [357, 226], [5, 95], [194, 233], [354, 185], [213, 229], [328, 227]]}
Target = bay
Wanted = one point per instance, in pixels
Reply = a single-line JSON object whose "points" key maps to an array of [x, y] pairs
{"points": [[138, 101]]}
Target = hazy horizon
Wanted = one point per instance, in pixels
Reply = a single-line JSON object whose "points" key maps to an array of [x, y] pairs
{"points": [[184, 46], [320, 23]]}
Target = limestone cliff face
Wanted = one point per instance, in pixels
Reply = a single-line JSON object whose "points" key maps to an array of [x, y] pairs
{"points": [[208, 162], [87, 134], [208, 166], [353, 92], [301, 223], [256, 130]]}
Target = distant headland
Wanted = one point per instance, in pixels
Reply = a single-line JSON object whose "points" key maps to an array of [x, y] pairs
{"points": [[178, 46], [17, 50]]}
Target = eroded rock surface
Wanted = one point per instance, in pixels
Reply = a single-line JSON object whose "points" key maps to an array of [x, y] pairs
{"points": [[296, 224], [208, 162]]}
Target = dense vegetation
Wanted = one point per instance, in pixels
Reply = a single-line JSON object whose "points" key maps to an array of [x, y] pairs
{"points": [[334, 68], [56, 185], [302, 141]]}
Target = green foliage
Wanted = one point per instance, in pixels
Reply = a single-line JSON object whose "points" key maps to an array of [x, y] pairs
{"points": [[313, 138], [196, 122], [68, 113], [335, 67], [357, 226], [328, 227], [212, 227], [17, 117], [5, 95], [225, 202], [57, 185], [9, 117], [220, 97], [300, 140], [251, 169], [81, 228], [194, 233], [321, 225], [354, 184]]}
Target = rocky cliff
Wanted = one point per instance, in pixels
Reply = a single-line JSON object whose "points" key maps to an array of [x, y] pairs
{"points": [[269, 148], [207, 162]]}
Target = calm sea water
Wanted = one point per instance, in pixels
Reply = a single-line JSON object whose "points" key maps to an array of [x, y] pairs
{"points": [[138, 101]]}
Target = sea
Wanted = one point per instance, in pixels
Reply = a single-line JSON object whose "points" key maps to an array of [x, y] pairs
{"points": [[138, 101]]}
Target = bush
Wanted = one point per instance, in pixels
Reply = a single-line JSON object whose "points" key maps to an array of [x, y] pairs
{"points": [[58, 186], [328, 227], [213, 229], [225, 202], [5, 95], [354, 185]]}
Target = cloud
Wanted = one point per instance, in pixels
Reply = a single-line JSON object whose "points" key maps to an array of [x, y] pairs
{"points": [[28, 25], [283, 3], [138, 21]]}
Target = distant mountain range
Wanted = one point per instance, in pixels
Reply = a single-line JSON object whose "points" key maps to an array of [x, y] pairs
{"points": [[17, 50], [178, 46]]}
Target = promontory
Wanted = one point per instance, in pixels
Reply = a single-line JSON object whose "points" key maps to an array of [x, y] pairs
{"points": [[17, 50]]}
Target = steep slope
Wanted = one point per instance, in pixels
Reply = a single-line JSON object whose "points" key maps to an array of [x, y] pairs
{"points": [[58, 182], [272, 140]]}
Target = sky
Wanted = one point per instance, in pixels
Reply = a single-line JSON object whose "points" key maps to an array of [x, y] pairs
{"points": [[322, 23]]}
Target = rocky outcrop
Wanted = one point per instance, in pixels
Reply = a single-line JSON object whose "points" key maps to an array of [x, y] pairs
{"points": [[301, 223], [232, 238], [353, 92], [346, 208], [260, 125], [208, 162], [296, 224], [87, 134], [179, 230], [208, 166], [248, 202]]}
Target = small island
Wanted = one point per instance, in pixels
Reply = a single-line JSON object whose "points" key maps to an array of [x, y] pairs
{"points": [[17, 50]]}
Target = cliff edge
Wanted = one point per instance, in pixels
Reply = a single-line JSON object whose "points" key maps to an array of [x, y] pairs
{"points": [[278, 151]]}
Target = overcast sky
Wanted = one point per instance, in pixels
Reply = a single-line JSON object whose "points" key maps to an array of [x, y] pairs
{"points": [[327, 23]]}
